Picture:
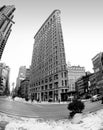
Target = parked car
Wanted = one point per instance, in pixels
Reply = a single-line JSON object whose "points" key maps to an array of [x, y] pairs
{"points": [[70, 98], [96, 97], [50, 99]]}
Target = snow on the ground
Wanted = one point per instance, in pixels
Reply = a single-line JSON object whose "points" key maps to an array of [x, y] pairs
{"points": [[19, 100], [91, 121], [29, 102]]}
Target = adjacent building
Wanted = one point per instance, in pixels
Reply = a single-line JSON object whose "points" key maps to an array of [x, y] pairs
{"points": [[27, 73], [4, 79], [83, 86], [48, 76], [92, 84], [98, 70], [74, 73], [21, 76], [23, 82], [24, 88], [24, 85], [6, 16]]}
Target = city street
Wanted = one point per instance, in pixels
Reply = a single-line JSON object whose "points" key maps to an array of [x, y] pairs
{"points": [[45, 111]]}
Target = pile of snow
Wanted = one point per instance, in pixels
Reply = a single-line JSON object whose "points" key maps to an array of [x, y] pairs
{"points": [[92, 121], [29, 102], [20, 100]]}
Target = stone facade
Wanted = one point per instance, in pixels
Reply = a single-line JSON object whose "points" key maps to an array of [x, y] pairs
{"points": [[48, 76], [98, 70], [74, 73], [4, 79]]}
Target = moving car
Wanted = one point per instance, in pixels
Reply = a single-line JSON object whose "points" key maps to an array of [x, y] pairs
{"points": [[96, 97]]}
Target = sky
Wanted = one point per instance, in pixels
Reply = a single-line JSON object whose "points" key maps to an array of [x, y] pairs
{"points": [[82, 26]]}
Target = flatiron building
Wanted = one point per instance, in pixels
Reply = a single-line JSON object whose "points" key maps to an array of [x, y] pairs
{"points": [[48, 73]]}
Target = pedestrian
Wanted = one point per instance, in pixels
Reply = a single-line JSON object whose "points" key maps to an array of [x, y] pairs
{"points": [[59, 100], [13, 96]]}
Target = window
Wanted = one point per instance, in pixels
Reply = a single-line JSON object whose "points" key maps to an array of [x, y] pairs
{"points": [[39, 82], [46, 80], [53, 16], [65, 82], [50, 86], [56, 85], [51, 20], [55, 76], [66, 90], [62, 90], [50, 79], [65, 74], [57, 70], [62, 74], [42, 81], [56, 62], [46, 87], [102, 59], [42, 87], [62, 83], [64, 67]]}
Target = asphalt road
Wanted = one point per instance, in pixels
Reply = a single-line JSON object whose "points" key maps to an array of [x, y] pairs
{"points": [[45, 111]]}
